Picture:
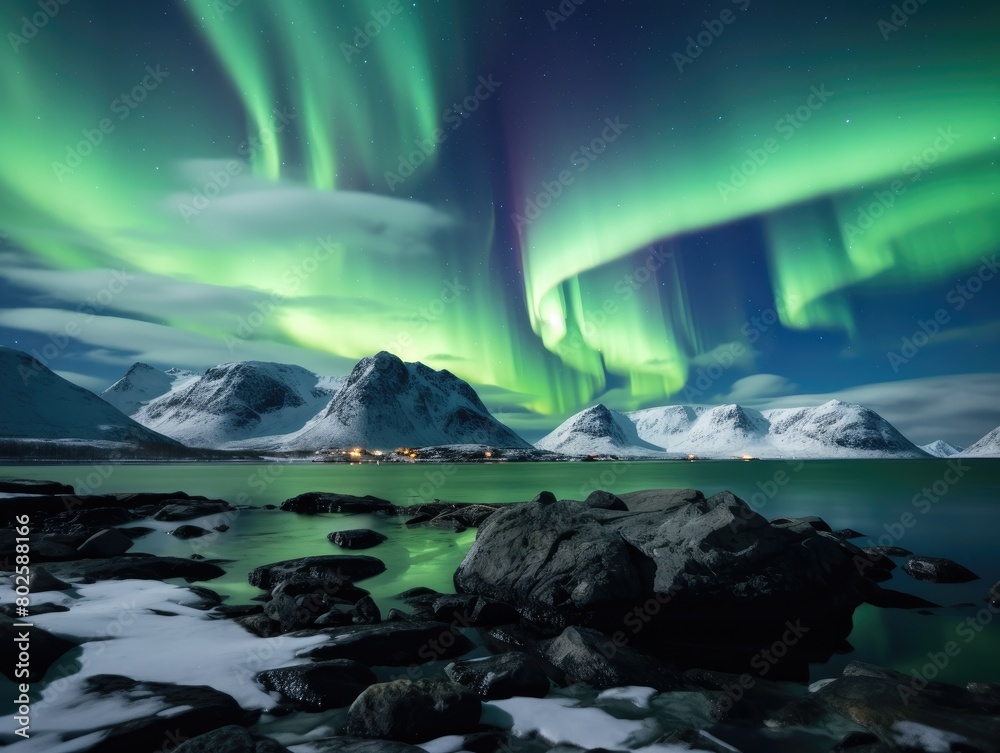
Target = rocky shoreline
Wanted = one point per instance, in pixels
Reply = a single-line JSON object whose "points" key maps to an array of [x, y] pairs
{"points": [[658, 620]]}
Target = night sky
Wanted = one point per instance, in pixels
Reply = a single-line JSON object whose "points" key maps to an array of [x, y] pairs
{"points": [[638, 203]]}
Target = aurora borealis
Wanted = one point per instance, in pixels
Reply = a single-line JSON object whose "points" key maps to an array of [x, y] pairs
{"points": [[636, 203]]}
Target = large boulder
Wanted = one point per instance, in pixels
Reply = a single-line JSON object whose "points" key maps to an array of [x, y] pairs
{"points": [[136, 566], [311, 503], [676, 564], [357, 538], [319, 685], [107, 543], [341, 566], [413, 711], [391, 644]]}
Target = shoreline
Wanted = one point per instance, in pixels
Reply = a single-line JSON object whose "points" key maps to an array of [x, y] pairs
{"points": [[485, 621]]}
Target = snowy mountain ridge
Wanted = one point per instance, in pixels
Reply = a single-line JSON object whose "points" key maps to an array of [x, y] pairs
{"points": [[832, 430], [235, 402], [597, 431], [385, 403], [254, 405]]}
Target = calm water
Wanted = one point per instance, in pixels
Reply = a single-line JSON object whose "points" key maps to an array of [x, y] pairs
{"points": [[958, 516]]}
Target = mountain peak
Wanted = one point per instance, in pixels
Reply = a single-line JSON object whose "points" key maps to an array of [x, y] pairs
{"points": [[38, 404]]}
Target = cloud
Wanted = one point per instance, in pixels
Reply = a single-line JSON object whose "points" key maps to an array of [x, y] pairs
{"points": [[755, 387], [249, 209], [110, 341]]}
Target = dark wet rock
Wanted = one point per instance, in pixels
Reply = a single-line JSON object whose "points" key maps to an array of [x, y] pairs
{"points": [[189, 532], [589, 656], [33, 486], [752, 698], [504, 676], [191, 710], [366, 612], [221, 529], [605, 501], [197, 557], [397, 615], [878, 559], [47, 549], [259, 624], [358, 538], [848, 533], [419, 519], [138, 566], [207, 598], [896, 706], [466, 516], [342, 566], [706, 562], [190, 509], [346, 744], [317, 502], [413, 712], [98, 516], [11, 610], [338, 615], [817, 524], [446, 523], [938, 570], [890, 599], [42, 580], [545, 498], [391, 644], [230, 739], [479, 611], [137, 532], [416, 592], [303, 601], [300, 584], [108, 543], [239, 610], [320, 685], [888, 551], [861, 742], [43, 647]]}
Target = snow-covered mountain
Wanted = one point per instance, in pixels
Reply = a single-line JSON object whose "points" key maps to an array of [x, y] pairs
{"points": [[386, 403], [234, 402], [142, 383], [987, 447], [832, 430], [837, 429], [726, 430], [37, 404], [597, 431], [666, 425], [941, 449]]}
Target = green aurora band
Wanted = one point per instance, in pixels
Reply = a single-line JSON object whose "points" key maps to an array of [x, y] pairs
{"points": [[815, 154]]}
